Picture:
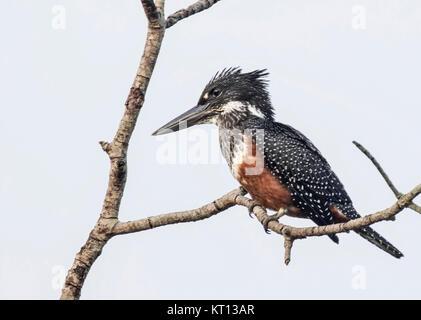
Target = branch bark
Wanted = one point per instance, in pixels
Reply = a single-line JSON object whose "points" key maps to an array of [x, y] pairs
{"points": [[300, 233], [150, 9], [389, 182], [204, 212], [108, 224], [290, 234], [117, 152], [196, 7]]}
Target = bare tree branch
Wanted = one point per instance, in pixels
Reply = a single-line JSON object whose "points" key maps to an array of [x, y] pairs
{"points": [[204, 212], [288, 242], [291, 233], [150, 10], [196, 7], [108, 222], [117, 152], [389, 182], [414, 207], [379, 168]]}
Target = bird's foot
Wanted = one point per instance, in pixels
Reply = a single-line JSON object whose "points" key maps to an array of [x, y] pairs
{"points": [[273, 217], [254, 204]]}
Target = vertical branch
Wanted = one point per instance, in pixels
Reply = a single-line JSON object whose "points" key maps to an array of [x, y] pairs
{"points": [[117, 152], [150, 10]]}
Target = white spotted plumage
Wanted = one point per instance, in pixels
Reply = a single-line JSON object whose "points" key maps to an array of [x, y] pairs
{"points": [[240, 102]]}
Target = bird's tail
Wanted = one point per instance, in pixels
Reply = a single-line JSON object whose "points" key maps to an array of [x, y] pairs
{"points": [[376, 239]]}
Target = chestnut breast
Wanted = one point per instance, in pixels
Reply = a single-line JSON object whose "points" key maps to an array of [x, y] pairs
{"points": [[249, 169]]}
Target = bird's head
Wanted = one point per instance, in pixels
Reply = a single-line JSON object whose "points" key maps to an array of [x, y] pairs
{"points": [[229, 98]]}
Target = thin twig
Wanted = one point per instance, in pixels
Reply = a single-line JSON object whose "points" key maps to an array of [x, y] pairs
{"points": [[389, 182], [379, 168], [415, 207], [196, 7], [288, 242], [117, 153]]}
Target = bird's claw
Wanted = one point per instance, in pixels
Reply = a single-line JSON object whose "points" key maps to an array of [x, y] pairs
{"points": [[251, 213], [273, 217], [266, 221], [254, 204]]}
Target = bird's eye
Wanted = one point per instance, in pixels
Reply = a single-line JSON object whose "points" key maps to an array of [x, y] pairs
{"points": [[215, 92]]}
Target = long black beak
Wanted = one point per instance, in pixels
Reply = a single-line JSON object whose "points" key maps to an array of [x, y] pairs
{"points": [[187, 119]]}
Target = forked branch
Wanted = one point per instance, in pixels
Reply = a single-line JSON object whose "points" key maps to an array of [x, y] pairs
{"points": [[117, 152]]}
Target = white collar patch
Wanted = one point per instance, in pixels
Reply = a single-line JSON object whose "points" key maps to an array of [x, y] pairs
{"points": [[241, 107], [233, 106], [256, 112]]}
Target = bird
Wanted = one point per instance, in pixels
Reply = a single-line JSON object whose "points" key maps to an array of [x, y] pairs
{"points": [[277, 165]]}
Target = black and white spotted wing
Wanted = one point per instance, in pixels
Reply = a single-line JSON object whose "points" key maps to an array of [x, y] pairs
{"points": [[299, 165], [315, 188]]}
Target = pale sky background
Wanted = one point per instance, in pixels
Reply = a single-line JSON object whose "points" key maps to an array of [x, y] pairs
{"points": [[64, 90]]}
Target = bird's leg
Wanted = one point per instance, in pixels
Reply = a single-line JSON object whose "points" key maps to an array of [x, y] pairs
{"points": [[273, 217]]}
